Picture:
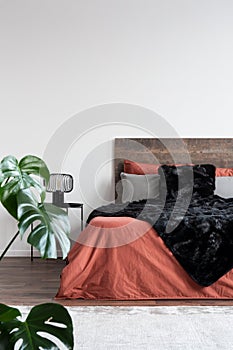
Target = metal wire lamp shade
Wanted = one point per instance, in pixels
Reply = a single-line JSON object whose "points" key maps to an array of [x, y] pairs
{"points": [[58, 184]]}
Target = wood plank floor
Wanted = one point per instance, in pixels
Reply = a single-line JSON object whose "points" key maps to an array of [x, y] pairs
{"points": [[23, 282], [27, 283]]}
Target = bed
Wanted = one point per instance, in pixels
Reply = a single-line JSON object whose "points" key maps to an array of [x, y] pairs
{"points": [[121, 256]]}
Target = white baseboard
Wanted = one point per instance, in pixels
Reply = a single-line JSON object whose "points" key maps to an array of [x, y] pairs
{"points": [[25, 253]]}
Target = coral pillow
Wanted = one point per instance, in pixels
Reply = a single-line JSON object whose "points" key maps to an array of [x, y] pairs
{"points": [[224, 171], [131, 167]]}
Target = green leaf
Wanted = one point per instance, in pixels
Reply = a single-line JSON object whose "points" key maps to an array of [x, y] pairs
{"points": [[34, 165], [16, 176], [8, 313], [50, 223], [50, 318], [5, 338]]}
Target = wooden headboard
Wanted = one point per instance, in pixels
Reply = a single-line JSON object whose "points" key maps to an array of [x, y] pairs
{"points": [[217, 151]]}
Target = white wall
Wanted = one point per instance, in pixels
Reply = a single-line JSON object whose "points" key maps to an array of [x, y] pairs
{"points": [[60, 57]]}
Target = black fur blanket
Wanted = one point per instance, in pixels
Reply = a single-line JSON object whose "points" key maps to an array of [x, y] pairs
{"points": [[203, 240]]}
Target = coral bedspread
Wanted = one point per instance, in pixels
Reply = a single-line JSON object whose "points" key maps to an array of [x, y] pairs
{"points": [[102, 266]]}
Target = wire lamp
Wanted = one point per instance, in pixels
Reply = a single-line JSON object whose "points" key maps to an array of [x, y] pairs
{"points": [[58, 184]]}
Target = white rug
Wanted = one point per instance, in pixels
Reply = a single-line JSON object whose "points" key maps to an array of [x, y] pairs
{"points": [[155, 328]]}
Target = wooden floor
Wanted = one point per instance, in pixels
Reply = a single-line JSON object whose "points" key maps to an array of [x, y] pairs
{"points": [[23, 282]]}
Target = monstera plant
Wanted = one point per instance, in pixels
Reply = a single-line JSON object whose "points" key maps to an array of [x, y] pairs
{"points": [[35, 332], [22, 193]]}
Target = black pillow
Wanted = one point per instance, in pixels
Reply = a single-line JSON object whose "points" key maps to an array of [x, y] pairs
{"points": [[203, 180]]}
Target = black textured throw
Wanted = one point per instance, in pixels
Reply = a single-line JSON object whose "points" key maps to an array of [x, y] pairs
{"points": [[202, 241]]}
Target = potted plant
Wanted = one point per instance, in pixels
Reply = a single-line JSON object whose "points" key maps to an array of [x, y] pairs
{"points": [[22, 193]]}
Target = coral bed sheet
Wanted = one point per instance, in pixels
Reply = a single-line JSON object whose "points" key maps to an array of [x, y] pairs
{"points": [[124, 259]]}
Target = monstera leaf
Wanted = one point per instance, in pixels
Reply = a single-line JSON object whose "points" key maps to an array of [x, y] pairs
{"points": [[15, 176], [22, 193], [50, 223], [43, 320], [6, 314]]}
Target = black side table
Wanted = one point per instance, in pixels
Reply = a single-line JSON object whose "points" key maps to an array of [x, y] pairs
{"points": [[66, 206]]}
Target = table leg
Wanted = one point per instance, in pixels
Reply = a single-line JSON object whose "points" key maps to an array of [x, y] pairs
{"points": [[81, 217], [31, 245], [31, 253]]}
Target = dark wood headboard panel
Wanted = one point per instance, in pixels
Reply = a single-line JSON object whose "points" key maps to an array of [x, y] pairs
{"points": [[217, 151]]}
